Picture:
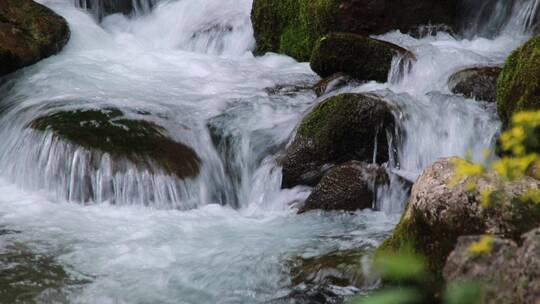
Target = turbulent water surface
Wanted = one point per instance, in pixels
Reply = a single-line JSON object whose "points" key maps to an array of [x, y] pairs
{"points": [[225, 236]]}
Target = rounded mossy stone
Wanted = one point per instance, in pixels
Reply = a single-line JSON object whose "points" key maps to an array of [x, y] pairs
{"points": [[29, 32], [361, 57], [341, 128], [292, 27], [518, 86], [106, 130]]}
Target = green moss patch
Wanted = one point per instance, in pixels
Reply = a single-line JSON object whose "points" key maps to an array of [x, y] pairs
{"points": [[518, 86], [360, 57], [142, 142], [292, 26]]}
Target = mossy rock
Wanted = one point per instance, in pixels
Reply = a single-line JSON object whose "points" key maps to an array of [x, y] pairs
{"points": [[361, 57], [437, 214], [293, 27], [518, 86], [142, 142], [29, 32], [341, 128]]}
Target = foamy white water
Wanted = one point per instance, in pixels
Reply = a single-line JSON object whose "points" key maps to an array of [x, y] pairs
{"points": [[225, 236]]}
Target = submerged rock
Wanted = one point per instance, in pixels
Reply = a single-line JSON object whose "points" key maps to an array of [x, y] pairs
{"points": [[479, 83], [518, 87], [293, 27], [310, 294], [139, 141], [510, 274], [29, 277], [332, 83], [361, 57], [437, 214], [29, 32], [350, 186], [337, 268], [341, 128]]}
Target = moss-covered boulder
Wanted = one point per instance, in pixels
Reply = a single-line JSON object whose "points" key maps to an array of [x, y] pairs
{"points": [[361, 57], [341, 128], [518, 86], [293, 27], [141, 142], [349, 187], [29, 32], [437, 213], [478, 82], [510, 273]]}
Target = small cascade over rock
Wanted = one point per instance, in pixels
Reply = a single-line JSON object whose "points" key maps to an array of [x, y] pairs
{"points": [[102, 8], [489, 18]]}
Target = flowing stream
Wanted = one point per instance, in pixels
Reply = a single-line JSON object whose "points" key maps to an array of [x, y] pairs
{"points": [[225, 236]]}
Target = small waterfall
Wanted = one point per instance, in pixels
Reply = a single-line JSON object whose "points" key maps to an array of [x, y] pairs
{"points": [[490, 18], [102, 8]]}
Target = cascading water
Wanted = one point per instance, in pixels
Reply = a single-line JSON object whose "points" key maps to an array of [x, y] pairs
{"points": [[225, 235]]}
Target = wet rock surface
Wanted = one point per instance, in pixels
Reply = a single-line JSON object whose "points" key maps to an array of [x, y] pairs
{"points": [[478, 82], [29, 32], [349, 187], [332, 83], [361, 57]]}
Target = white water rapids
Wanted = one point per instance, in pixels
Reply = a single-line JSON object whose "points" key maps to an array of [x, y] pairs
{"points": [[223, 237]]}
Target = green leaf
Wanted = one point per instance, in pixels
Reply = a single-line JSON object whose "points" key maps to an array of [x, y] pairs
{"points": [[465, 293], [390, 296], [401, 266]]}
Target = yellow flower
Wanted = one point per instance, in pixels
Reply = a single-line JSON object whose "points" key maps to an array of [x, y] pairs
{"points": [[483, 246]]}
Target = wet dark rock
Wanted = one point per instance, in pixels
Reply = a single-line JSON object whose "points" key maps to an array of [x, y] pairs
{"points": [[361, 57], [349, 187], [29, 32], [341, 128], [368, 17], [510, 273], [479, 83], [293, 27], [139, 141], [437, 213], [332, 83], [310, 294]]}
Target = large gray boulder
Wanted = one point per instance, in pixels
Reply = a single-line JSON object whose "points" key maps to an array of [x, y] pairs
{"points": [[438, 213], [510, 273]]}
